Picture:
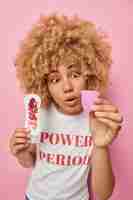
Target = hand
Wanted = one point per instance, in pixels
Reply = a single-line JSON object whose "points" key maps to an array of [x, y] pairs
{"points": [[105, 122], [19, 141]]}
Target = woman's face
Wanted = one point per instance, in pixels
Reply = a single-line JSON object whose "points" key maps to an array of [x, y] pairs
{"points": [[64, 85]]}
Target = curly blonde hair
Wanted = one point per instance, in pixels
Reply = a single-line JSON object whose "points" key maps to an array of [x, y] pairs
{"points": [[55, 40]]}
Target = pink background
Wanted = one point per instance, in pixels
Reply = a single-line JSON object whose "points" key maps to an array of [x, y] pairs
{"points": [[116, 18]]}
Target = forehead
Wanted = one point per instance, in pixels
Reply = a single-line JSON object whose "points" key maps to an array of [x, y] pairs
{"points": [[64, 67]]}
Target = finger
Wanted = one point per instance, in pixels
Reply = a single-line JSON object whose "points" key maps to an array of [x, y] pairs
{"points": [[99, 100], [19, 147], [104, 107], [110, 115], [25, 130], [19, 136], [22, 134], [111, 124], [21, 141]]}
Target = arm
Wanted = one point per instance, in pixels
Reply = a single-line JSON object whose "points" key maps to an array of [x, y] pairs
{"points": [[105, 122], [102, 177]]}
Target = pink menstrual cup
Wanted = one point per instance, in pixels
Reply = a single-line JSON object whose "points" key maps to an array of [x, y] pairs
{"points": [[87, 99]]}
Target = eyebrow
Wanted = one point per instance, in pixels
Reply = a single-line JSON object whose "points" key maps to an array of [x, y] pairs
{"points": [[73, 66], [53, 71]]}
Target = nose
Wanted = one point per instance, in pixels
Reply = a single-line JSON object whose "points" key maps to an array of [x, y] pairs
{"points": [[67, 86]]}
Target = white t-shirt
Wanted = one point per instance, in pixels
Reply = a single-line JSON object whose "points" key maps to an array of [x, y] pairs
{"points": [[63, 157]]}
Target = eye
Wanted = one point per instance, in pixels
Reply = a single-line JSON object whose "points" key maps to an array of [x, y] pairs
{"points": [[54, 80], [75, 74]]}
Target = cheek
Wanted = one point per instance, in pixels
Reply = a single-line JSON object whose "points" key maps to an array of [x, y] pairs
{"points": [[81, 85], [54, 92], [51, 91]]}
